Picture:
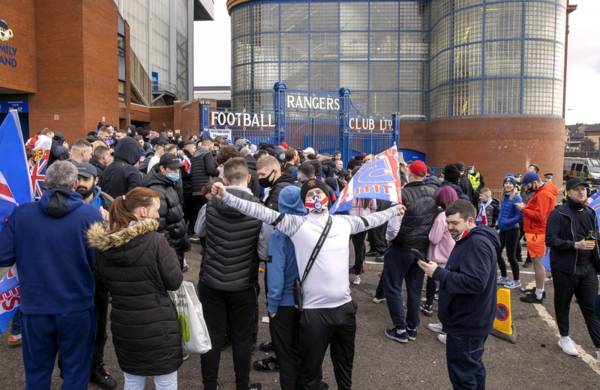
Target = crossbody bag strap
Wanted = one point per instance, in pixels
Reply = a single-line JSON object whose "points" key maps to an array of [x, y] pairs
{"points": [[317, 249]]}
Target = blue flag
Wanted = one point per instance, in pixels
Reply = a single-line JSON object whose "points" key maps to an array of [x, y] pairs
{"points": [[15, 183], [15, 189]]}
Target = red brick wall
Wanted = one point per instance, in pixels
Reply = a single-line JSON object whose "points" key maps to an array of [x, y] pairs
{"points": [[497, 146], [20, 16], [100, 65], [58, 104], [161, 118], [77, 66]]}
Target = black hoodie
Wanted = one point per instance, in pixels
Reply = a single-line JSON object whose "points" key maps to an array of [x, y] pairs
{"points": [[121, 176], [467, 304]]}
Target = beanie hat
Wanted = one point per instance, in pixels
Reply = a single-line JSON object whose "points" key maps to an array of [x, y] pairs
{"points": [[418, 168], [290, 202], [311, 184], [451, 173], [530, 177], [511, 179]]}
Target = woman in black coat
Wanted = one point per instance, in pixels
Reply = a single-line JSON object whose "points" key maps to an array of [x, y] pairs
{"points": [[165, 179], [137, 266]]}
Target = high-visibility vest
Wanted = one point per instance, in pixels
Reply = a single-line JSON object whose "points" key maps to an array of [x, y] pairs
{"points": [[475, 180]]}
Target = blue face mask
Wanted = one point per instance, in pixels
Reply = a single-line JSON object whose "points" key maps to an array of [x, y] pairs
{"points": [[173, 176]]}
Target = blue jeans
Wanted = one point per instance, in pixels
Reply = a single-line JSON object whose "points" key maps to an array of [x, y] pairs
{"points": [[15, 328], [464, 359], [400, 265]]}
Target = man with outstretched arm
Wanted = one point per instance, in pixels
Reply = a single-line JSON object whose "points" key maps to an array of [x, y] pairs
{"points": [[329, 315]]}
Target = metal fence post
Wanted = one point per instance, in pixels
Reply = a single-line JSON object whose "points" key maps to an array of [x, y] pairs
{"points": [[343, 123], [396, 130], [204, 120], [279, 107]]}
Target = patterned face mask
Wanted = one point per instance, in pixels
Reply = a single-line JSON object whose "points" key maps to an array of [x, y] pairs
{"points": [[318, 204]]}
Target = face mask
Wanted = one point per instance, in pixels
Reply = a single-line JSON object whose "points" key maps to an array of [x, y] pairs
{"points": [[173, 176], [318, 204], [84, 191], [266, 182]]}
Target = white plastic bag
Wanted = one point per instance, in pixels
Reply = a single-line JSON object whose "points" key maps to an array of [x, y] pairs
{"points": [[194, 333]]}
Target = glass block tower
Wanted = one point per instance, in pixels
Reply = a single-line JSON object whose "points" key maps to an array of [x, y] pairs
{"points": [[480, 71]]}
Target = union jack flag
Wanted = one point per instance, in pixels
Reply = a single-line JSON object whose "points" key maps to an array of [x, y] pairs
{"points": [[37, 171]]}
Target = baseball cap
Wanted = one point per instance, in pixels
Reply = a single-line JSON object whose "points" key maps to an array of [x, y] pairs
{"points": [[169, 160], [309, 151], [530, 177], [576, 182], [418, 168], [86, 170]]}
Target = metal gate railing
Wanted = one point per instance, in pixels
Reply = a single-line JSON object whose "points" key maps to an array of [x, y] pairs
{"points": [[326, 135]]}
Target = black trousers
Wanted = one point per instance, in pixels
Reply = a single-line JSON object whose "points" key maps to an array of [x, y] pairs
{"points": [[284, 328], [464, 360], [379, 293], [377, 238], [430, 289], [101, 302], [231, 312], [358, 240], [509, 239], [320, 328], [190, 211], [584, 285]]}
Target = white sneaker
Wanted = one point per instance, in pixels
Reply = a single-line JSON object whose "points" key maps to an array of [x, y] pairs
{"points": [[378, 300], [568, 346], [442, 338], [512, 284], [356, 280], [435, 327], [501, 279]]}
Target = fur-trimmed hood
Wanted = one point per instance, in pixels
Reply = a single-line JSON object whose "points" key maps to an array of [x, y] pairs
{"points": [[99, 238]]}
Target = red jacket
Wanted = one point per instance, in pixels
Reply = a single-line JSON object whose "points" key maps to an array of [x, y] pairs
{"points": [[538, 209]]}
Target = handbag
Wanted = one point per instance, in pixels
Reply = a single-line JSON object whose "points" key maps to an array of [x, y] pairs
{"points": [[194, 333], [298, 292]]}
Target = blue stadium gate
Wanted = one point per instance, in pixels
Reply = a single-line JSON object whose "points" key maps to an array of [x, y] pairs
{"points": [[326, 124]]}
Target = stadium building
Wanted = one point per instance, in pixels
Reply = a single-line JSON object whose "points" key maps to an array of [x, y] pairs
{"points": [[486, 77], [68, 64]]}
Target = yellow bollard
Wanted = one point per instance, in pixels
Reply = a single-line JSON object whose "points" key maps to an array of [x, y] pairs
{"points": [[503, 323]]}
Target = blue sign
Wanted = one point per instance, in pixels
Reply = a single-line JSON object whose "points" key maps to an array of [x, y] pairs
{"points": [[412, 155], [19, 105]]}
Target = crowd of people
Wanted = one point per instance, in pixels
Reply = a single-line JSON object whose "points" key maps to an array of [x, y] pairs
{"points": [[121, 209]]}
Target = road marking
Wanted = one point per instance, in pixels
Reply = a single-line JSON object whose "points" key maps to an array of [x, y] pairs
{"points": [[549, 320]]}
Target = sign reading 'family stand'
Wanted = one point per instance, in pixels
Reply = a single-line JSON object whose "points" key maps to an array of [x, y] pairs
{"points": [[8, 53]]}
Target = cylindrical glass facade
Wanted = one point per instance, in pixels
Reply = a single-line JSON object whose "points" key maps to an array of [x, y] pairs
{"points": [[439, 58], [497, 57], [377, 49]]}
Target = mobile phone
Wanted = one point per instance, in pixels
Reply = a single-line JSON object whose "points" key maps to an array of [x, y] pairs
{"points": [[418, 255]]}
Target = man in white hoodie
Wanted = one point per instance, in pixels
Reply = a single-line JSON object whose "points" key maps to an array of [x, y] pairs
{"points": [[329, 315]]}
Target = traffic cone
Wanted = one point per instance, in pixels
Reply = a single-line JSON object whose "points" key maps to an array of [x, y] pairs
{"points": [[503, 323]]}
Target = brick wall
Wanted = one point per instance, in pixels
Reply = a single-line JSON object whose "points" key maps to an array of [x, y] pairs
{"points": [[497, 146], [20, 16]]}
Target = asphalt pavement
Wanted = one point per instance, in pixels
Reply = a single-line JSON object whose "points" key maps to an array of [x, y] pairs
{"points": [[534, 362]]}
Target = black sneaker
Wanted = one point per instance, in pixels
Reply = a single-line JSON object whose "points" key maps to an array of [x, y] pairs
{"points": [[100, 377], [526, 264], [411, 333], [373, 254], [255, 386], [532, 298], [266, 347], [379, 259], [398, 335], [427, 310], [323, 386]]}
